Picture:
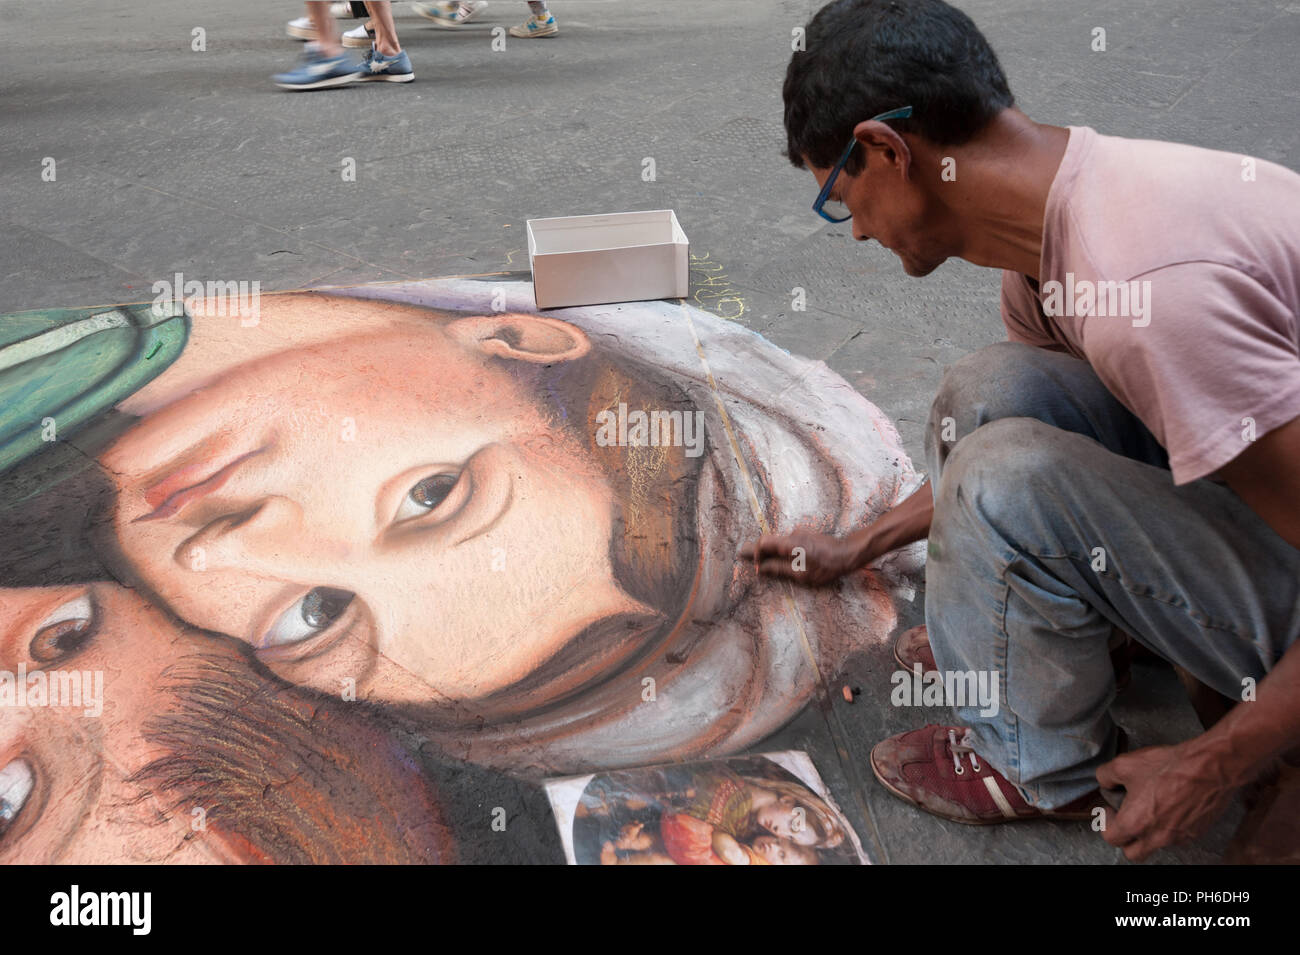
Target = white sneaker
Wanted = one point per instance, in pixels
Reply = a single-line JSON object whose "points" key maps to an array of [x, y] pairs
{"points": [[536, 26], [361, 37], [450, 14], [301, 29]]}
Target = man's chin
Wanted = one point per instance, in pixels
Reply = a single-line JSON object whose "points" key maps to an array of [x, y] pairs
{"points": [[917, 268]]}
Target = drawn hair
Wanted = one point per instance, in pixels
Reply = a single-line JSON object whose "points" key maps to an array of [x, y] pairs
{"points": [[297, 781]]}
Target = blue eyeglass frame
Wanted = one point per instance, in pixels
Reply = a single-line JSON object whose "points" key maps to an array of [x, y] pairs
{"points": [[901, 113]]}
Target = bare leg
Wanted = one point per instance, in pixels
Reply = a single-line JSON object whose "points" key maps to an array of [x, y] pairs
{"points": [[381, 15], [327, 31]]}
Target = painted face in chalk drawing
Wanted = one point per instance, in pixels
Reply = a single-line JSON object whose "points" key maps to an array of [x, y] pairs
{"points": [[785, 818], [67, 749], [783, 852], [392, 512], [139, 724]]}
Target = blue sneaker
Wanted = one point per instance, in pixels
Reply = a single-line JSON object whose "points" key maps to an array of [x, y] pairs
{"points": [[536, 26], [386, 69], [318, 72]]}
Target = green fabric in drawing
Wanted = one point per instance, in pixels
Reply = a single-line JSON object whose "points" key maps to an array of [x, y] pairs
{"points": [[62, 369]]}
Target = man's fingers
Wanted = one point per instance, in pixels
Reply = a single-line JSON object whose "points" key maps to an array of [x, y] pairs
{"points": [[1121, 769], [1108, 774], [1123, 827], [763, 547], [1152, 840], [777, 567], [1113, 834], [769, 545], [1137, 851]]}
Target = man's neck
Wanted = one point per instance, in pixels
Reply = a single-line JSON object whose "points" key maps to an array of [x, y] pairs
{"points": [[1000, 194]]}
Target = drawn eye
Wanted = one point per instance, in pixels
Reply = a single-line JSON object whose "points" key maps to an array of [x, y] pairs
{"points": [[425, 496], [16, 783], [65, 631], [311, 615]]}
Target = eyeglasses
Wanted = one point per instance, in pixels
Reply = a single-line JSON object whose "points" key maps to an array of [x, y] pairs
{"points": [[832, 210]]}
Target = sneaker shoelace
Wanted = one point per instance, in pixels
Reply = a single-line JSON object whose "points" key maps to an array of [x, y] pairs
{"points": [[958, 751]]}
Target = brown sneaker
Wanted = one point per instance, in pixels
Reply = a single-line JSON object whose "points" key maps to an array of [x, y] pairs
{"points": [[913, 647], [934, 770]]}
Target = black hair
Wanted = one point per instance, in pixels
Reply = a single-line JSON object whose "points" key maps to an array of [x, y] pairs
{"points": [[865, 57]]}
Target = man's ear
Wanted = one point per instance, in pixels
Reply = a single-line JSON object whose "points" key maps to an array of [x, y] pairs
{"points": [[874, 135], [535, 338]]}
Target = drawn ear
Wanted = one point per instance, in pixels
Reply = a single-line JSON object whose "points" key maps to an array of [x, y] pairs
{"points": [[534, 338]]}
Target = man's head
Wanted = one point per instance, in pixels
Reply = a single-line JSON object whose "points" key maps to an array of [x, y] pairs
{"points": [[867, 57]]}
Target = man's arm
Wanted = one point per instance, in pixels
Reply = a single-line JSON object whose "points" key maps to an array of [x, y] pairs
{"points": [[1175, 792], [1267, 477], [813, 558]]}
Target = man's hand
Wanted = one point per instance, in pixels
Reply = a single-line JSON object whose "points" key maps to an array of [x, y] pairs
{"points": [[806, 556], [818, 559], [1173, 793]]}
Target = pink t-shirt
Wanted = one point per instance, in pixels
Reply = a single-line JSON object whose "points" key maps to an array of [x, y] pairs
{"points": [[1175, 272]]}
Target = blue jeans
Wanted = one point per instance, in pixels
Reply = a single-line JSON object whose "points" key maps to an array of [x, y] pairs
{"points": [[1055, 519]]}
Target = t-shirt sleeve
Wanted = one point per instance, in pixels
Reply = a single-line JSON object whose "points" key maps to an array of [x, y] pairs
{"points": [[1208, 360], [1021, 314]]}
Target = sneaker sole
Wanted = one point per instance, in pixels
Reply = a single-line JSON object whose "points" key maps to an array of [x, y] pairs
{"points": [[1082, 816], [322, 84], [386, 78], [534, 36], [358, 43], [301, 33]]}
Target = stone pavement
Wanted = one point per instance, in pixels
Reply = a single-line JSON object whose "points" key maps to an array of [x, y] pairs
{"points": [[173, 160]]}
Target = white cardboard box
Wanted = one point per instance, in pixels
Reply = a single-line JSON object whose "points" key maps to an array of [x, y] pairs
{"points": [[621, 257]]}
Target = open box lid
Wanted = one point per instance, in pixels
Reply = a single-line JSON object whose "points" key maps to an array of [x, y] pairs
{"points": [[603, 233]]}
